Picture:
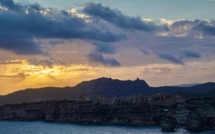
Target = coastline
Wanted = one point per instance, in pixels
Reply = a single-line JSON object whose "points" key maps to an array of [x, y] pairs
{"points": [[120, 112]]}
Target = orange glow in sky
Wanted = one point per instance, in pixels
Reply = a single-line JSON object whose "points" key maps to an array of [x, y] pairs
{"points": [[19, 74]]}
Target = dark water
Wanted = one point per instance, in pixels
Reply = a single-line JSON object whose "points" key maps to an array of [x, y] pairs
{"points": [[11, 127]]}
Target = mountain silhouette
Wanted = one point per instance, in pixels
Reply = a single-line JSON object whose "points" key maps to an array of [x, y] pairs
{"points": [[104, 87]]}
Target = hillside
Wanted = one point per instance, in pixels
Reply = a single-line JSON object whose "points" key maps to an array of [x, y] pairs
{"points": [[104, 87]]}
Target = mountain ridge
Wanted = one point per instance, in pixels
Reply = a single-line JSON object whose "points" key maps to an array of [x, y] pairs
{"points": [[104, 87]]}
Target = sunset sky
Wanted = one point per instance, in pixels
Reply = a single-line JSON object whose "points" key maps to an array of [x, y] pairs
{"points": [[61, 43]]}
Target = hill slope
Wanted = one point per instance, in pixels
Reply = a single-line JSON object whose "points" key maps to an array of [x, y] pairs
{"points": [[106, 87]]}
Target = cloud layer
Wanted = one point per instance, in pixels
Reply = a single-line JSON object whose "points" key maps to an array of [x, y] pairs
{"points": [[65, 47], [179, 59], [100, 59], [22, 25], [117, 18]]}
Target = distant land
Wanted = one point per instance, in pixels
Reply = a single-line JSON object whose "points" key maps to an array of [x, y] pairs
{"points": [[105, 87], [187, 85], [115, 102]]}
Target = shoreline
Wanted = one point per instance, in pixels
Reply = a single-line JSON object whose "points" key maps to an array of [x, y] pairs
{"points": [[108, 125], [190, 115]]}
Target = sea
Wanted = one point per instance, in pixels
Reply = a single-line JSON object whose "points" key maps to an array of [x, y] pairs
{"points": [[16, 127]]}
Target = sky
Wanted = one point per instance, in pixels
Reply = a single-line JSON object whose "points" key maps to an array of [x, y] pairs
{"points": [[62, 43]]}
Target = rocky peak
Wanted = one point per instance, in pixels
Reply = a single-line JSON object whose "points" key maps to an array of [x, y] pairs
{"points": [[109, 81], [113, 87], [141, 82]]}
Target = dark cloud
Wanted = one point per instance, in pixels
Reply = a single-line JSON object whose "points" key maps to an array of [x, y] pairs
{"points": [[104, 48], [181, 57], [117, 18], [20, 29], [185, 23], [171, 58], [192, 27], [46, 62], [190, 54], [203, 26], [209, 29], [24, 27], [145, 52], [20, 44], [98, 58], [11, 5]]}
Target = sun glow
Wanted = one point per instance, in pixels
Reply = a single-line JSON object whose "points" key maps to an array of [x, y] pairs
{"points": [[25, 75], [20, 74]]}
